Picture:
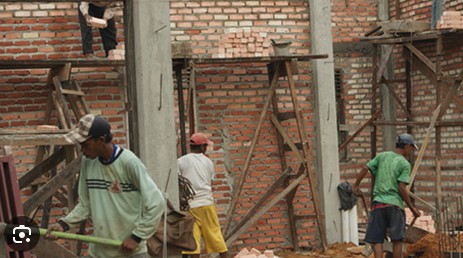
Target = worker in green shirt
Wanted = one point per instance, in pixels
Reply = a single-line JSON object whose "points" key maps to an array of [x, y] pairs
{"points": [[390, 173], [115, 191]]}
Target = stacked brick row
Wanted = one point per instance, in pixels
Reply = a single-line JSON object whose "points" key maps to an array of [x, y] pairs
{"points": [[450, 20], [425, 222], [254, 253]]}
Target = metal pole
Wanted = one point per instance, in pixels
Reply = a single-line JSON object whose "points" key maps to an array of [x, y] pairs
{"points": [[181, 107]]}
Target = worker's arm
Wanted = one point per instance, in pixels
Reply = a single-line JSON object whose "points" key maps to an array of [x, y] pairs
{"points": [[83, 7], [109, 13], [152, 204], [404, 194], [359, 178]]}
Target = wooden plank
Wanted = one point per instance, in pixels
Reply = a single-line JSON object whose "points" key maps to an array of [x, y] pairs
{"points": [[423, 146], [49, 188], [43, 64], [439, 196], [62, 72], [43, 167], [60, 112], [245, 170], [46, 248], [263, 59], [384, 62], [229, 240], [261, 201], [81, 99], [424, 59], [399, 101], [29, 140], [62, 104], [31, 132], [446, 123], [72, 92], [311, 175], [425, 203], [458, 102], [288, 141], [360, 129], [419, 60], [448, 98]]}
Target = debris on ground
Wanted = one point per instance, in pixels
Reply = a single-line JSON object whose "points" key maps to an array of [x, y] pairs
{"points": [[427, 247], [336, 250], [254, 253]]}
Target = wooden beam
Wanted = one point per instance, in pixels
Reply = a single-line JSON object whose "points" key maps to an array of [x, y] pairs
{"points": [[448, 98], [288, 141], [32, 132], [245, 170], [384, 62], [261, 201], [458, 102], [368, 122], [49, 188], [311, 175], [399, 101], [43, 167], [229, 240], [423, 146], [427, 204], [46, 139], [415, 56], [446, 123]]}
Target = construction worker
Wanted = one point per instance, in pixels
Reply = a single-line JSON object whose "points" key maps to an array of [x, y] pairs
{"points": [[115, 191], [103, 10], [390, 172], [199, 169]]}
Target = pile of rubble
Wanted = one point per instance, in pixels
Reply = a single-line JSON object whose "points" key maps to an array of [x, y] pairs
{"points": [[254, 253]]}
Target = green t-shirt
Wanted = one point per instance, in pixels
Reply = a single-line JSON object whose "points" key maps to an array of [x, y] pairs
{"points": [[389, 168]]}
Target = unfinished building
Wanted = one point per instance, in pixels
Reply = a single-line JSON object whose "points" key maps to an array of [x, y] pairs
{"points": [[384, 82]]}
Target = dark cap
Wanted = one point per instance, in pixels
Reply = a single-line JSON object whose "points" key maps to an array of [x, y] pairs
{"points": [[89, 126], [407, 139]]}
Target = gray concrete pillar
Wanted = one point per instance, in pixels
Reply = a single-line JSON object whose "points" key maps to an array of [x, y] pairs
{"points": [[326, 126], [151, 83]]}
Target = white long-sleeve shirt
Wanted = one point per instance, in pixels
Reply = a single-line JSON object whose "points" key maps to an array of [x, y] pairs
{"points": [[108, 13]]}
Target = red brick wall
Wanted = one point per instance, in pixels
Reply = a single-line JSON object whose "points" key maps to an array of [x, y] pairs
{"points": [[230, 97]]}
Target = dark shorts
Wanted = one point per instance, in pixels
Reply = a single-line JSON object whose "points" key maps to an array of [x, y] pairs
{"points": [[381, 219]]}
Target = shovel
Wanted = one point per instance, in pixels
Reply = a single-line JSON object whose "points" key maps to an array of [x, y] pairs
{"points": [[414, 234]]}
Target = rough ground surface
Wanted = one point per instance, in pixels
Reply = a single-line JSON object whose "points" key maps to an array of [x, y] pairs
{"points": [[338, 250], [428, 245]]}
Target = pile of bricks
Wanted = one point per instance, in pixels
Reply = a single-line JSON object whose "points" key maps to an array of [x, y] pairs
{"points": [[450, 20], [254, 253], [424, 221], [118, 53]]}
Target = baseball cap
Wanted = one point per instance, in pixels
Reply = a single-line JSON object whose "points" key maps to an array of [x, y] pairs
{"points": [[407, 139], [200, 139], [89, 126]]}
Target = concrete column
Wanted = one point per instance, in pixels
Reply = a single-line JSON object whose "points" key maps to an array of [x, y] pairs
{"points": [[151, 84], [387, 100], [325, 108]]}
